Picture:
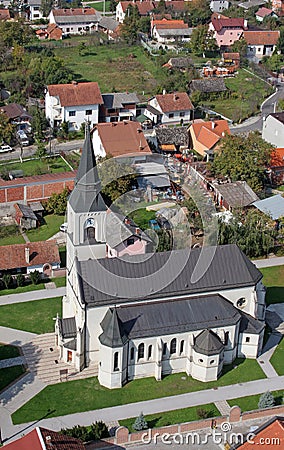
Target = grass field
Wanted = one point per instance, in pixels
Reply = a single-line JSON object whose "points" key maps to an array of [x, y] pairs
{"points": [[10, 235], [47, 230], [99, 6], [273, 279], [19, 290], [8, 351], [95, 396], [141, 217], [60, 281], [10, 374], [277, 359], [37, 166], [251, 402], [173, 417], [35, 317]]}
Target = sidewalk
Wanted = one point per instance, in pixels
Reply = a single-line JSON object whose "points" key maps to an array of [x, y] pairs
{"points": [[15, 337], [267, 351], [32, 295], [269, 262]]}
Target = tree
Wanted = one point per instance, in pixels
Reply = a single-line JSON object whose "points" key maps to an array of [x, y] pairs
{"points": [[202, 40], [112, 5], [117, 178], [41, 151], [280, 42], [39, 122], [6, 128], [35, 277], [130, 26], [20, 279], [266, 400], [57, 203], [243, 158], [81, 48], [7, 280], [140, 423], [240, 46], [99, 430]]}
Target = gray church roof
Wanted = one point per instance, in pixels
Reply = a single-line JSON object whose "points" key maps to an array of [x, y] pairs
{"points": [[250, 325], [113, 334], [130, 278], [67, 327], [118, 231], [86, 196], [208, 343]]}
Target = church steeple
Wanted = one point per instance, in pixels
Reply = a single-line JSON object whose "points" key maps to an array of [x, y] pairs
{"points": [[86, 195]]}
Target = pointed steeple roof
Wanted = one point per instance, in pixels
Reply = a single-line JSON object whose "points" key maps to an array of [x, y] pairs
{"points": [[113, 334], [208, 343], [86, 195]]}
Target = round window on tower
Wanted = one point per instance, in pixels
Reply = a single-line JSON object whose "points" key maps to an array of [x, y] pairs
{"points": [[241, 303]]}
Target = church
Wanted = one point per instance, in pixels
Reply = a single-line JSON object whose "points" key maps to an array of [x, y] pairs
{"points": [[131, 313]]}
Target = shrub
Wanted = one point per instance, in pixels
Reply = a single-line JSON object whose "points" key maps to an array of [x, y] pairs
{"points": [[203, 413], [140, 423], [99, 430], [266, 400], [35, 277], [7, 280], [20, 279]]}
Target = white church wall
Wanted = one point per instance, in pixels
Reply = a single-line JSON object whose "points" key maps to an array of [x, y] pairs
{"points": [[248, 345]]}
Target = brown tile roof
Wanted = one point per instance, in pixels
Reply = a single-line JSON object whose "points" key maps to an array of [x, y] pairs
{"points": [[143, 7], [209, 133], [74, 12], [13, 256], [14, 110], [38, 439], [277, 157], [273, 429], [177, 101], [165, 24], [122, 138], [5, 14], [261, 37], [54, 32], [227, 22], [231, 56], [263, 12], [76, 94]]}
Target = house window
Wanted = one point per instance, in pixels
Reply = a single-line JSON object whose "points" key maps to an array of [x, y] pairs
{"points": [[212, 361], [200, 361], [164, 349], [226, 340], [88, 112], [247, 339], [173, 346], [72, 113], [130, 241], [141, 348], [132, 353], [181, 349], [171, 115], [110, 110], [69, 356], [241, 302], [115, 362], [150, 351]]}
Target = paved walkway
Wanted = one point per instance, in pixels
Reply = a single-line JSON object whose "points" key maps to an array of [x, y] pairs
{"points": [[32, 295], [223, 406], [152, 406], [268, 350], [269, 262], [15, 337], [11, 362]]}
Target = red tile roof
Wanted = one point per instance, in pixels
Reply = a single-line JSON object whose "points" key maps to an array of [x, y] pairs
{"points": [[74, 12], [38, 439], [231, 56], [122, 138], [227, 22], [268, 437], [13, 256], [5, 14], [277, 157], [263, 12], [209, 133], [76, 94], [165, 24], [54, 32], [143, 7], [261, 37], [178, 101]]}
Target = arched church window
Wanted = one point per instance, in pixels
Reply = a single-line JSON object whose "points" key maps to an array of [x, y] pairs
{"points": [[181, 350], [132, 353], [141, 349], [115, 362], [150, 351], [90, 231], [173, 346]]}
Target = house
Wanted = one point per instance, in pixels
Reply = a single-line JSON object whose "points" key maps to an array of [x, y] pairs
{"points": [[166, 31], [260, 43], [277, 6], [16, 114], [110, 27], [226, 30], [206, 136], [271, 206], [52, 31], [119, 138], [43, 439], [275, 170], [169, 108], [172, 139], [118, 106], [180, 63], [269, 435], [273, 129], [263, 12], [4, 15], [217, 6], [232, 196], [144, 8], [152, 314], [75, 20], [251, 4], [208, 86], [34, 11], [73, 103], [42, 256], [231, 59], [25, 216]]}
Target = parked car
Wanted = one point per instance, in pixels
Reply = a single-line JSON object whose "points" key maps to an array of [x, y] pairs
{"points": [[5, 148], [24, 140], [63, 227]]}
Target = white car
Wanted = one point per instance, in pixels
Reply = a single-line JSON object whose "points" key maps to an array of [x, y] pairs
{"points": [[63, 227], [5, 148]]}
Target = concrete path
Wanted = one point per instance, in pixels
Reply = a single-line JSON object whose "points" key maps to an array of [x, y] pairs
{"points": [[15, 337], [11, 362], [268, 350], [269, 262], [153, 406], [32, 295], [223, 406], [25, 236]]}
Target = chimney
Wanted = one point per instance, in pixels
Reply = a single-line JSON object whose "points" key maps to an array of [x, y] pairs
{"points": [[48, 442], [164, 91], [27, 255], [137, 231], [74, 82], [127, 221], [223, 133], [245, 23]]}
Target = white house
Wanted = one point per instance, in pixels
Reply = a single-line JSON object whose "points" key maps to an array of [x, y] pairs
{"points": [[219, 5], [169, 108], [152, 314], [74, 103], [34, 11], [260, 43], [273, 129], [167, 31], [75, 20]]}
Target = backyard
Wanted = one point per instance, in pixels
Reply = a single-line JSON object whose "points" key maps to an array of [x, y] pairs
{"points": [[11, 235], [35, 166], [273, 279], [277, 359], [50, 227], [94, 396]]}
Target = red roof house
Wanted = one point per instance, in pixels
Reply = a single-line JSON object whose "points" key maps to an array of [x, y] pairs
{"points": [[43, 439], [170, 108], [205, 136]]}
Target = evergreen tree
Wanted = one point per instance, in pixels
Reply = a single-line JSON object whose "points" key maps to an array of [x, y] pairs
{"points": [[35, 277], [7, 280], [266, 400], [140, 423], [20, 279]]}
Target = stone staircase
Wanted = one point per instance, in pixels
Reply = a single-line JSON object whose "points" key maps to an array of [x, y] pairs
{"points": [[42, 358]]}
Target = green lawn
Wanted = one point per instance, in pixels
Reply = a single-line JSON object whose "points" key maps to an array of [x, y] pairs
{"points": [[37, 166], [277, 359], [94, 396], [27, 288], [60, 281], [10, 235], [141, 217], [47, 230], [35, 317], [8, 351], [99, 6], [62, 253], [9, 375], [173, 417], [251, 402], [273, 279]]}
